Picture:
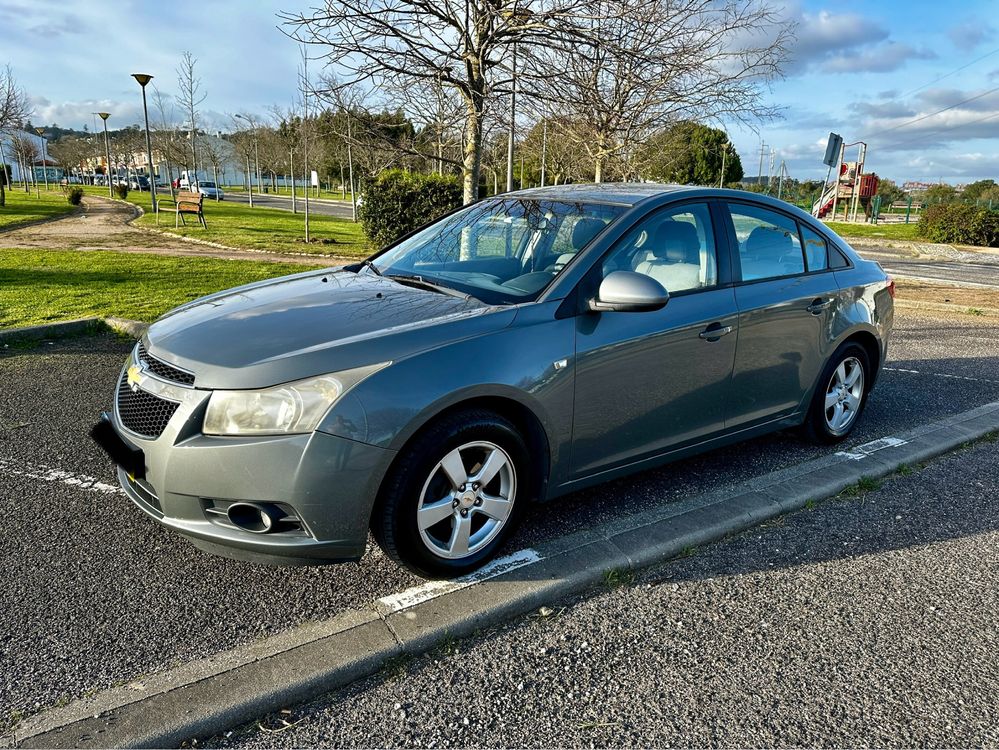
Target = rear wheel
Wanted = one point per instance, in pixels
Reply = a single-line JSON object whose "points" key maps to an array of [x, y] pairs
{"points": [[454, 495], [840, 396]]}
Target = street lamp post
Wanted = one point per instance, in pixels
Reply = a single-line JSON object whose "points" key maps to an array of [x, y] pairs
{"points": [[107, 151], [143, 79], [45, 157]]}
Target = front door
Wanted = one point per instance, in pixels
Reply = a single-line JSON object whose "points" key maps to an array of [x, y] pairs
{"points": [[649, 381]]}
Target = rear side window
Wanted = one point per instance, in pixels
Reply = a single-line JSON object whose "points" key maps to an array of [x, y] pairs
{"points": [[816, 253], [769, 246]]}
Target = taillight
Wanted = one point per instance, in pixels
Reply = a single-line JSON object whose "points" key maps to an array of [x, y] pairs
{"points": [[891, 287]]}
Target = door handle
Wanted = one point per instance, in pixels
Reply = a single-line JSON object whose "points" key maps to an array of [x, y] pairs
{"points": [[714, 333], [818, 305]]}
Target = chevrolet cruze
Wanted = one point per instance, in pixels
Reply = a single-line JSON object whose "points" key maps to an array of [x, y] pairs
{"points": [[513, 351]]}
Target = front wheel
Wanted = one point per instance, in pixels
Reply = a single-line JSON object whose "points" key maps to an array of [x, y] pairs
{"points": [[454, 495], [840, 396]]}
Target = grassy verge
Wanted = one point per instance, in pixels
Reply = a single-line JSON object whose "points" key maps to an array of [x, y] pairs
{"points": [[42, 286], [237, 225], [880, 231], [22, 207]]}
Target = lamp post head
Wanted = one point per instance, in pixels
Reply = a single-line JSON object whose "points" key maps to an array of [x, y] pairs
{"points": [[104, 115], [142, 78]]}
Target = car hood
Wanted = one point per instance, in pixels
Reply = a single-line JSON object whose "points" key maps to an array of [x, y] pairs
{"points": [[312, 323]]}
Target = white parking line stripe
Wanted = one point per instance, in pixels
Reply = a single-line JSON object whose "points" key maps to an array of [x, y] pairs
{"points": [[48, 474], [863, 451], [432, 589], [942, 375]]}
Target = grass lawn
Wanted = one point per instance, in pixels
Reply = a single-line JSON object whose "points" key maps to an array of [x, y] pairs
{"points": [[882, 231], [237, 225], [22, 207], [42, 286]]}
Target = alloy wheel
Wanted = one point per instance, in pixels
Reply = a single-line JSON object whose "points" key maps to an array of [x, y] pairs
{"points": [[844, 395], [466, 500]]}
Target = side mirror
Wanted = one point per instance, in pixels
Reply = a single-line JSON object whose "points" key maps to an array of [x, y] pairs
{"points": [[627, 291]]}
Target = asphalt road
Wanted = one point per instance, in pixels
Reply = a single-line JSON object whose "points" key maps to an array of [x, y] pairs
{"points": [[97, 594], [324, 207], [864, 622], [977, 274]]}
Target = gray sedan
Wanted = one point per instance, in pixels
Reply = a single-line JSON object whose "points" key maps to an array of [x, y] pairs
{"points": [[514, 351]]}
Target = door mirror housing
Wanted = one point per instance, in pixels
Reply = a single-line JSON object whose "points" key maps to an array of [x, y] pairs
{"points": [[628, 291]]}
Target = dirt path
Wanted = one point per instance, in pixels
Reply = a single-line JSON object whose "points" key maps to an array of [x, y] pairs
{"points": [[104, 225]]}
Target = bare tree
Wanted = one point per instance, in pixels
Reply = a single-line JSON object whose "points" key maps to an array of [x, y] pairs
{"points": [[14, 110], [190, 98], [461, 45], [73, 153], [218, 152], [26, 151], [653, 63]]}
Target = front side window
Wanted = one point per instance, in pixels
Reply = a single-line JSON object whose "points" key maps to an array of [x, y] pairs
{"points": [[499, 251], [768, 243], [675, 246]]}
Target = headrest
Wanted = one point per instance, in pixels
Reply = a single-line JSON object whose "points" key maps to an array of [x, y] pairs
{"points": [[769, 243], [676, 241], [585, 230]]}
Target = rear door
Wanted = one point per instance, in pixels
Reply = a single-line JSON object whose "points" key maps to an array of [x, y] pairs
{"points": [[648, 381], [786, 296]]}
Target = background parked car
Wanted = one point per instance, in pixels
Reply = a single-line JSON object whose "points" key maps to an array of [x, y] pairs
{"points": [[210, 190]]}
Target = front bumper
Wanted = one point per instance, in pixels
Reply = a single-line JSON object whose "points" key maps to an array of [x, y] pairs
{"points": [[329, 482]]}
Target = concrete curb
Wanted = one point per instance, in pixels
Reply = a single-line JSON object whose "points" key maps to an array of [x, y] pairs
{"points": [[63, 329], [210, 696]]}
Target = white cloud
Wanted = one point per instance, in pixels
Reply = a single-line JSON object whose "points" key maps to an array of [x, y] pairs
{"points": [[881, 58], [969, 34]]}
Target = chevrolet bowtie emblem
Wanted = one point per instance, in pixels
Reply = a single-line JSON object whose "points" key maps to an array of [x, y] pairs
{"points": [[133, 377]]}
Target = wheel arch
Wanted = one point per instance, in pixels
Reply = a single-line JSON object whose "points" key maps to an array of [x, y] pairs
{"points": [[524, 419]]}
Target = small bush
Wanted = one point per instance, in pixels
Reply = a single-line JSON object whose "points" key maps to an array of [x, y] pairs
{"points": [[397, 202], [121, 190], [960, 223], [75, 195]]}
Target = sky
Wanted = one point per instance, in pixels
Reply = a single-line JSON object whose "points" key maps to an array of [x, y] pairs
{"points": [[918, 80]]}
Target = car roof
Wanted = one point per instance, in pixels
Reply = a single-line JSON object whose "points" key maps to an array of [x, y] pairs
{"points": [[620, 193]]}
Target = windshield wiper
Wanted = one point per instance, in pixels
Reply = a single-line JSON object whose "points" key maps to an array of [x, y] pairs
{"points": [[421, 283], [370, 264]]}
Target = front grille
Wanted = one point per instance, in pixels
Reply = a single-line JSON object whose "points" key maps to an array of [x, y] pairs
{"points": [[163, 370], [141, 412]]}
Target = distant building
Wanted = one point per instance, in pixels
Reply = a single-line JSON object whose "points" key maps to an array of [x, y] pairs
{"points": [[915, 186], [11, 164]]}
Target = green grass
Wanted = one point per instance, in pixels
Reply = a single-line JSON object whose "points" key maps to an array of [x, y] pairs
{"points": [[23, 207], [882, 231], [237, 225], [42, 286]]}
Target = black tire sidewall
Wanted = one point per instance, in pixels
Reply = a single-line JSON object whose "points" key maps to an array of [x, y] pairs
{"points": [[395, 524], [815, 426]]}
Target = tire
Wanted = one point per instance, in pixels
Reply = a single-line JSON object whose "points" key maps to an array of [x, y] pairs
{"points": [[422, 498], [846, 390]]}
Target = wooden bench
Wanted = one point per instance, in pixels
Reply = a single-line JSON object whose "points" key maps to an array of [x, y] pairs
{"points": [[186, 203]]}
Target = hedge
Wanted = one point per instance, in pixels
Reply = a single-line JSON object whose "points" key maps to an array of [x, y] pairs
{"points": [[397, 202], [960, 223]]}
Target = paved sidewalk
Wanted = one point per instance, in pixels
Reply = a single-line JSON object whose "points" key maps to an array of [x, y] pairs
{"points": [[869, 620]]}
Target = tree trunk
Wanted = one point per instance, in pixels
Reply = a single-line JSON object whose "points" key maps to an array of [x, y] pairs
{"points": [[598, 169], [473, 155]]}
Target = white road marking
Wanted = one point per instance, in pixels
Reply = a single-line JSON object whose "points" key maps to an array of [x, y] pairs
{"points": [[863, 451], [942, 375], [432, 589], [48, 474]]}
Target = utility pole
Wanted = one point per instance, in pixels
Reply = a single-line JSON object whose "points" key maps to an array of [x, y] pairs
{"points": [[780, 180], [291, 166], [513, 124], [770, 169], [544, 149], [45, 157], [763, 152]]}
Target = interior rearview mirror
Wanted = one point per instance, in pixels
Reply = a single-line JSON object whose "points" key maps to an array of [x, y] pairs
{"points": [[628, 291]]}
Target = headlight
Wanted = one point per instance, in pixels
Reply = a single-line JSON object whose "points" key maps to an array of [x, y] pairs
{"points": [[282, 410]]}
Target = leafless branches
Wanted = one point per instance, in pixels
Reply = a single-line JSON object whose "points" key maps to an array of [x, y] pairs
{"points": [[190, 97]]}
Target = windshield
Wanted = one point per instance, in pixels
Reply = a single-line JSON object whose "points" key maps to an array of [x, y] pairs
{"points": [[206, 184], [499, 251]]}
